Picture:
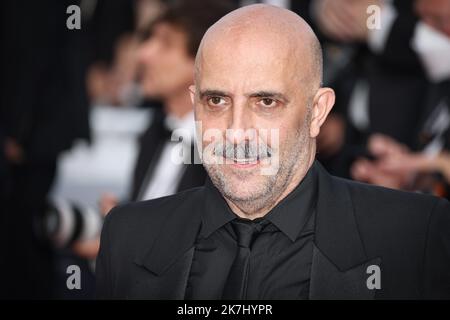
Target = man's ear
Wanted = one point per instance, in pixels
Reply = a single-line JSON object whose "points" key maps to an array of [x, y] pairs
{"points": [[322, 104], [192, 93]]}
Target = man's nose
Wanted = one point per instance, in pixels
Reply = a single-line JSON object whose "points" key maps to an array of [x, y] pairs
{"points": [[240, 127]]}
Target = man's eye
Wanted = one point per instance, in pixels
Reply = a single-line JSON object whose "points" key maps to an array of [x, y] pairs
{"points": [[267, 103], [216, 101]]}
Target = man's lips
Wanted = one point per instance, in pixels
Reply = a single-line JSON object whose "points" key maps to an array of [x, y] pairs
{"points": [[242, 163]]}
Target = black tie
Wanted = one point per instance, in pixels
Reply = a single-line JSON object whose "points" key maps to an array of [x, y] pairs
{"points": [[236, 285]]}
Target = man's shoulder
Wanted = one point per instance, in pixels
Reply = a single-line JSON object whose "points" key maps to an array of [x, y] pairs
{"points": [[357, 186], [130, 230], [150, 215], [391, 204], [383, 195]]}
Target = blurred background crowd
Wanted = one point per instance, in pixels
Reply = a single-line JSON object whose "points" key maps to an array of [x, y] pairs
{"points": [[86, 115]]}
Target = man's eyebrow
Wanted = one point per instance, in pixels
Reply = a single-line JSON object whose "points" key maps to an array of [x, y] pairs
{"points": [[258, 94], [268, 94], [213, 92]]}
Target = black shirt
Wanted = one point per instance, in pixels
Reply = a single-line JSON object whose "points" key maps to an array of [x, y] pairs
{"points": [[281, 253]]}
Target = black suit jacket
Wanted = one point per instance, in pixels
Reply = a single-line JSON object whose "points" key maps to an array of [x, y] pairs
{"points": [[147, 247]]}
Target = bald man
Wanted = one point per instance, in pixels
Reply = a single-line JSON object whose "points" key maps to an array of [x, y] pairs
{"points": [[271, 223]]}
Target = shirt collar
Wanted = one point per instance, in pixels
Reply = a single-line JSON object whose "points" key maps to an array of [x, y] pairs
{"points": [[289, 215]]}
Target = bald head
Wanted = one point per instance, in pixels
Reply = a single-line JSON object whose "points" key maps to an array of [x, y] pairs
{"points": [[261, 29]]}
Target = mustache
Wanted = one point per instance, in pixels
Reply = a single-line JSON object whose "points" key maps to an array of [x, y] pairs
{"points": [[244, 150]]}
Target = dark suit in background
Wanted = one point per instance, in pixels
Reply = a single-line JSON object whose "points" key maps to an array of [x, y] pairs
{"points": [[151, 144], [44, 109], [433, 134], [396, 85]]}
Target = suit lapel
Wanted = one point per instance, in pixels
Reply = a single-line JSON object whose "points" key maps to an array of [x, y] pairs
{"points": [[169, 259], [339, 264], [328, 282]]}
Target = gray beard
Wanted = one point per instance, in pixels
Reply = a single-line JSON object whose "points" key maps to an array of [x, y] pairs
{"points": [[273, 186]]}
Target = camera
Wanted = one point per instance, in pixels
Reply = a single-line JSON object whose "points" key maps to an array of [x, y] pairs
{"points": [[65, 223]]}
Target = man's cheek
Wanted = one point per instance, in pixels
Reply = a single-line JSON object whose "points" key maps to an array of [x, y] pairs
{"points": [[273, 140]]}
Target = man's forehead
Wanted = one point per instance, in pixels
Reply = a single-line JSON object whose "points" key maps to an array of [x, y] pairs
{"points": [[248, 70]]}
